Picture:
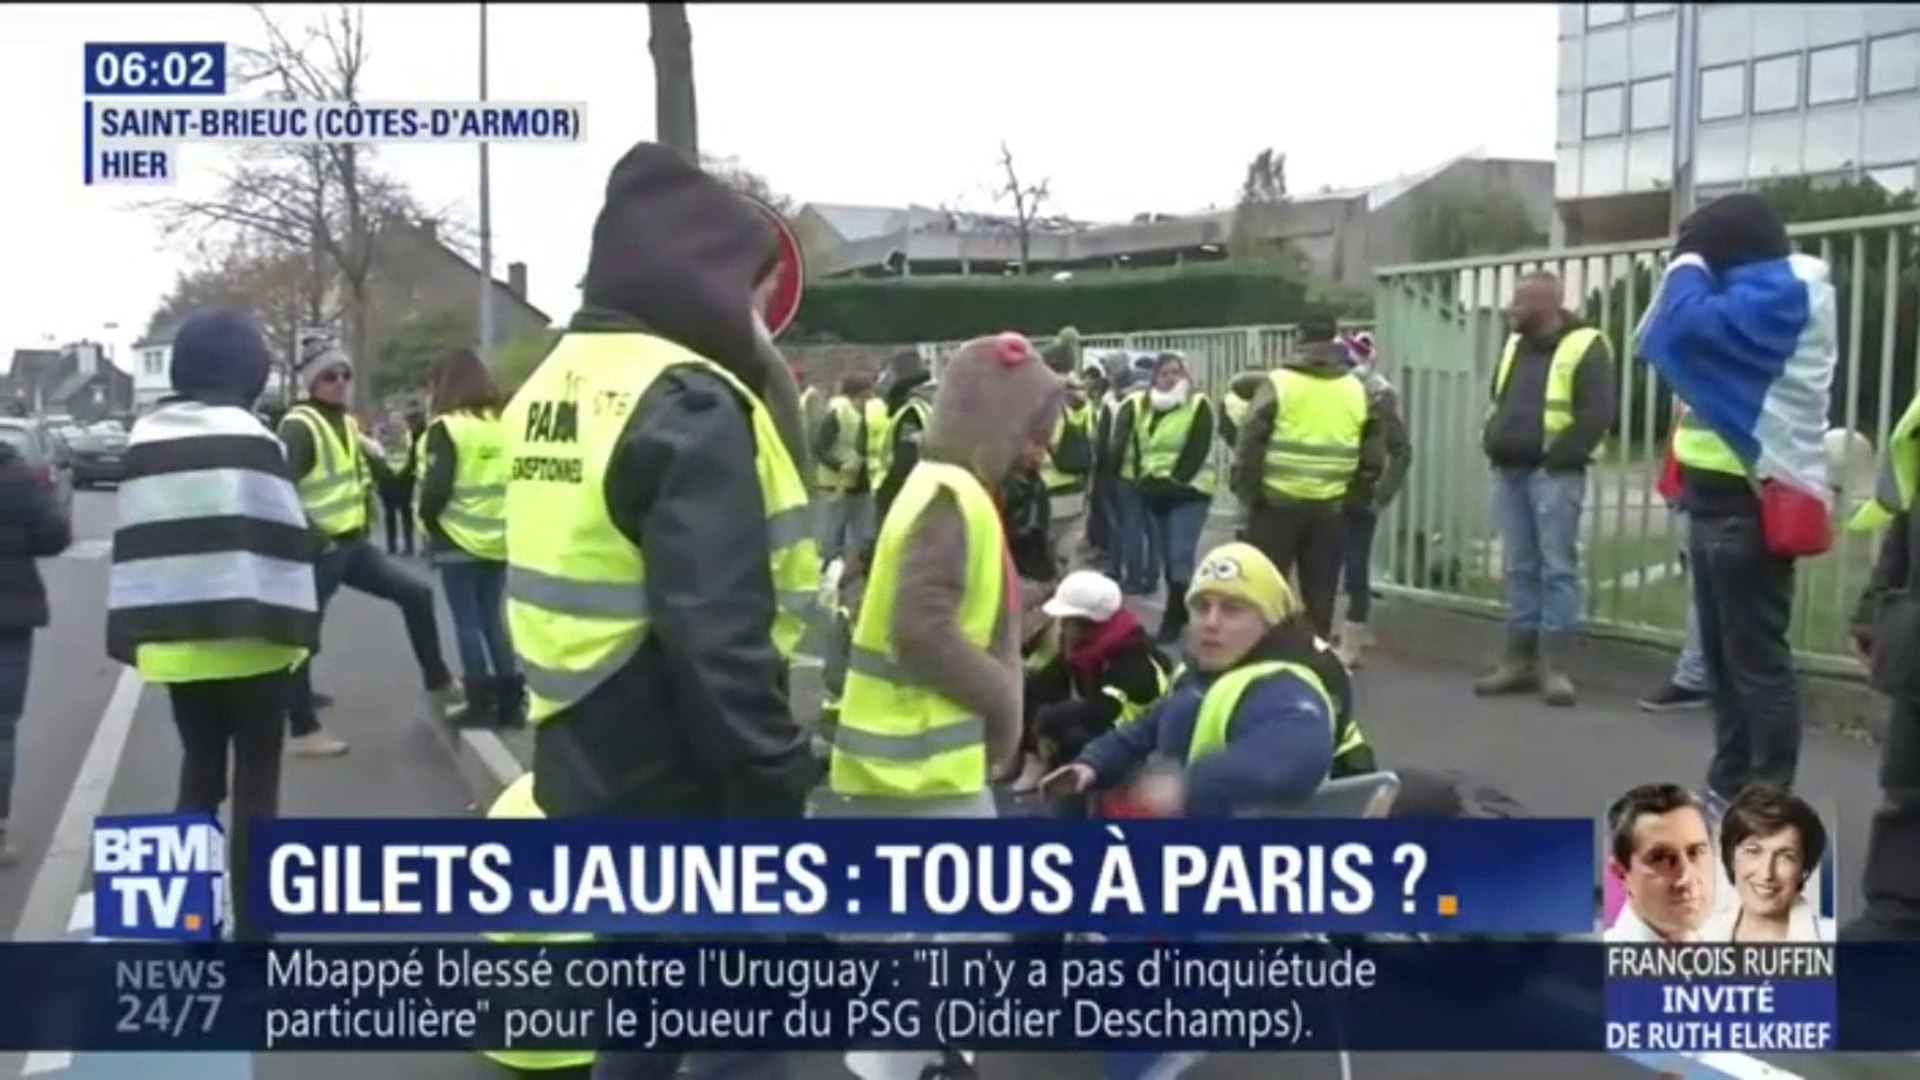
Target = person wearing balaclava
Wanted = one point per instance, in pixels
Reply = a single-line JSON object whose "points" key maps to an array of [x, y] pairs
{"points": [[661, 567], [1166, 451], [940, 623], [330, 457], [212, 592]]}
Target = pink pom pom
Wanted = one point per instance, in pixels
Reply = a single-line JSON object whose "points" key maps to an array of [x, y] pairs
{"points": [[1012, 349]]}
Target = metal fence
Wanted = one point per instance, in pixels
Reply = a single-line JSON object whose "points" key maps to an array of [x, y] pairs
{"points": [[1441, 326]]}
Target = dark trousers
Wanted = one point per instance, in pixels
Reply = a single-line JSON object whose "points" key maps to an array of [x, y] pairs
{"points": [[1306, 539], [240, 718], [1358, 575], [1891, 881], [359, 565], [1744, 596], [16, 663], [476, 593], [396, 504]]}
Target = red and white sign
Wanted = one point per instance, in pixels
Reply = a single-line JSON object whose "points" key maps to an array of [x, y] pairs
{"points": [[785, 303]]}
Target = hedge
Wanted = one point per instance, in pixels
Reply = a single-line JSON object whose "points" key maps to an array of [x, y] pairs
{"points": [[1111, 302]]}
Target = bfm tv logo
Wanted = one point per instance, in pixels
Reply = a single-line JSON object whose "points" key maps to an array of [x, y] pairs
{"points": [[159, 876]]}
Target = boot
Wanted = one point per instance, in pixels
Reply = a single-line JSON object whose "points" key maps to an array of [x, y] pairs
{"points": [[510, 701], [1355, 640], [1556, 650], [479, 711], [1518, 671], [1173, 622]]}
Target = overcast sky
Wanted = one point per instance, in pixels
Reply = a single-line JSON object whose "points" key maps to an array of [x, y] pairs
{"points": [[1126, 108]]}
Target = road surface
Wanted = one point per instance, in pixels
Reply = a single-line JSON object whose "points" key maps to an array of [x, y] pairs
{"points": [[94, 743]]}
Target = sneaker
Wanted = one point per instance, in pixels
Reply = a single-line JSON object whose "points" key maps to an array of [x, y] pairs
{"points": [[449, 699], [1673, 697], [317, 744]]}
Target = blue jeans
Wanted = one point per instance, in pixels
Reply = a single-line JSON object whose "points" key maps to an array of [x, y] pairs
{"points": [[1173, 531], [1690, 670], [1539, 517], [16, 662], [476, 593], [1134, 557], [358, 565]]}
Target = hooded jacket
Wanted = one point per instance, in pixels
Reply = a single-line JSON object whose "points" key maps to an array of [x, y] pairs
{"points": [[983, 414], [1321, 360], [698, 723], [1383, 402], [1279, 740], [31, 527]]}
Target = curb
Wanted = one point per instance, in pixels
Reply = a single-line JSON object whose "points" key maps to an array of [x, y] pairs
{"points": [[485, 764]]}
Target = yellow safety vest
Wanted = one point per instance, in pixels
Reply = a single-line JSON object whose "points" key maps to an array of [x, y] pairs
{"points": [[1315, 445], [898, 739], [1134, 403], [846, 446], [914, 406], [1072, 419], [1557, 412], [516, 804], [1894, 484], [334, 490], [1223, 697], [1697, 447], [576, 595], [875, 414], [1236, 409], [475, 517], [1159, 449], [1131, 710]]}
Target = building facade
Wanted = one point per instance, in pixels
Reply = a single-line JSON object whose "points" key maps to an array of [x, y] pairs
{"points": [[1758, 92]]}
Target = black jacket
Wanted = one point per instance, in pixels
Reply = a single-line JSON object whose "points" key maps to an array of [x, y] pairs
{"points": [[698, 724], [1135, 667], [1893, 574], [1515, 435], [1027, 510], [1321, 360], [31, 527]]}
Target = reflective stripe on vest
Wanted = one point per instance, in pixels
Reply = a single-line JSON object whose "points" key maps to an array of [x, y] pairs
{"points": [[334, 489], [845, 447], [576, 586], [1315, 445], [1078, 419], [516, 804], [475, 517], [1894, 482], [1131, 710], [1223, 697], [1557, 411], [874, 412], [1697, 447], [1133, 408], [897, 738], [1160, 448], [916, 407]]}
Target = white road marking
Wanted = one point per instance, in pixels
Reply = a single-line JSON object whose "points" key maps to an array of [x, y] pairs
{"points": [[91, 550]]}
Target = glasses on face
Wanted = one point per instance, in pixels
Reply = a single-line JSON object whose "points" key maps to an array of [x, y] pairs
{"points": [[337, 375]]}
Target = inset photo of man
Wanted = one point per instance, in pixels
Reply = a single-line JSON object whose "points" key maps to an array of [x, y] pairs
{"points": [[1771, 845], [1660, 866]]}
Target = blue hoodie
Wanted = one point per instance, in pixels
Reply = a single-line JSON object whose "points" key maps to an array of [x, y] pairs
{"points": [[1279, 743]]}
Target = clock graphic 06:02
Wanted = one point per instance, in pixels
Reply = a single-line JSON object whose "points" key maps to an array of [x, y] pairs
{"points": [[156, 69]]}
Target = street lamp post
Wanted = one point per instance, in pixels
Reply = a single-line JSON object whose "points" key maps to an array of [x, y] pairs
{"points": [[486, 217], [1686, 111]]}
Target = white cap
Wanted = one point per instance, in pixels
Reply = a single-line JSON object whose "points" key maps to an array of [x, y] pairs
{"points": [[1084, 594]]}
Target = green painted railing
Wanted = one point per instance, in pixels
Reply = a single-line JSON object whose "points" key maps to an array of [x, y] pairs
{"points": [[1441, 326]]}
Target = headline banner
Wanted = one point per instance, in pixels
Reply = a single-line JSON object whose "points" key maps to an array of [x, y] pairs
{"points": [[688, 995], [1180, 878]]}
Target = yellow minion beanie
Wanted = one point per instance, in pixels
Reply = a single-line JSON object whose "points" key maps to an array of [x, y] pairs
{"points": [[1239, 570]]}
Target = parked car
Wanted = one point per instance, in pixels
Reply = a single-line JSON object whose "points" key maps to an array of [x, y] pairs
{"points": [[42, 453], [97, 454]]}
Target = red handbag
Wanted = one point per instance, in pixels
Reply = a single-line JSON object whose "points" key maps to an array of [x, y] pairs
{"points": [[1793, 522]]}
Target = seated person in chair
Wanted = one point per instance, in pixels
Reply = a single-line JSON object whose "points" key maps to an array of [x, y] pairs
{"points": [[1258, 716]]}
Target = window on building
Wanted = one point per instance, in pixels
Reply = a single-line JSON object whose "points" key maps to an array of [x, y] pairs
{"points": [[1649, 161], [1572, 19], [1833, 74], [1605, 14], [1895, 178], [1833, 138], [1720, 154], [1603, 168], [1726, 34], [1568, 130], [1651, 45], [1652, 104], [1779, 28], [1572, 71], [1641, 11], [1606, 56], [1774, 148], [1723, 92], [156, 362], [1604, 107], [1893, 64], [1776, 84], [1891, 130], [1566, 172]]}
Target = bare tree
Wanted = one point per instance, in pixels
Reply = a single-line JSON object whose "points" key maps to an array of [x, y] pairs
{"points": [[325, 201], [746, 181], [675, 121], [1262, 191], [1027, 200]]}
